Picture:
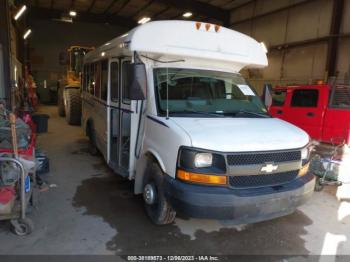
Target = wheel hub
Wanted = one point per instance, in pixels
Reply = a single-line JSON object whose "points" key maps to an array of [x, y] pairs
{"points": [[149, 194]]}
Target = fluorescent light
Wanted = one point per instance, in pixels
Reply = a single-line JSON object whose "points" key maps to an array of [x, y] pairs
{"points": [[107, 43], [20, 12], [264, 47], [72, 13], [103, 54], [144, 20], [187, 14], [27, 33]]}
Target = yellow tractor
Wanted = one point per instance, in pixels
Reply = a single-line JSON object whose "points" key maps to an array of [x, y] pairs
{"points": [[69, 94]]}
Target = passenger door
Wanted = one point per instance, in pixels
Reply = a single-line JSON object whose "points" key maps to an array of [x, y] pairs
{"points": [[125, 118], [120, 115], [306, 110], [336, 125], [113, 113]]}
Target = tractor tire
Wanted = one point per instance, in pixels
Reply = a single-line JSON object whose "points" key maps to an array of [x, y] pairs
{"points": [[73, 106], [60, 102]]}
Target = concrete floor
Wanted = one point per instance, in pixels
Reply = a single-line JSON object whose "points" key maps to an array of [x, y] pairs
{"points": [[89, 210]]}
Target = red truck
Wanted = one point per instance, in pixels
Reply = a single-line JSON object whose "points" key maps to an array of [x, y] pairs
{"points": [[321, 110]]}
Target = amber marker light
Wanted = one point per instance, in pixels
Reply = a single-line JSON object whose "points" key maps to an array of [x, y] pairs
{"points": [[201, 178], [303, 171]]}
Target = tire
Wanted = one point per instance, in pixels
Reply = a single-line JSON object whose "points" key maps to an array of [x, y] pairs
{"points": [[60, 102], [24, 227], [160, 211], [318, 185], [73, 106]]}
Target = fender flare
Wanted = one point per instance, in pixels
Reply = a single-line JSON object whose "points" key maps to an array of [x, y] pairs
{"points": [[150, 155]]}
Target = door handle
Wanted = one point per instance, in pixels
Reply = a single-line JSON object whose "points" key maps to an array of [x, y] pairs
{"points": [[280, 112], [310, 114]]}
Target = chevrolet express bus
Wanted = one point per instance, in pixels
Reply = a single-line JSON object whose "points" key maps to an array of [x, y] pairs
{"points": [[166, 106]]}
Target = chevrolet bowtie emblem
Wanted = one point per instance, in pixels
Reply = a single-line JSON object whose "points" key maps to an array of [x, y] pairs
{"points": [[269, 168]]}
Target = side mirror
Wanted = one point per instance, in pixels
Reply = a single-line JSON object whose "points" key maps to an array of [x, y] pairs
{"points": [[267, 95], [137, 80]]}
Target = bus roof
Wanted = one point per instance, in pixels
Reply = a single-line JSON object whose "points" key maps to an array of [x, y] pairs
{"points": [[187, 39]]}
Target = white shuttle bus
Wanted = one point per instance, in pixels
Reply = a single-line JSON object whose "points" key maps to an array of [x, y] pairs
{"points": [[166, 106]]}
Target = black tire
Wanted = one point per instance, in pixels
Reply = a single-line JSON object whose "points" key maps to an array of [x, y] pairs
{"points": [[73, 106], [25, 227], [160, 212], [60, 102]]}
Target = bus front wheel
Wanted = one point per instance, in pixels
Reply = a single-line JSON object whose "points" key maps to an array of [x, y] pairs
{"points": [[157, 206]]}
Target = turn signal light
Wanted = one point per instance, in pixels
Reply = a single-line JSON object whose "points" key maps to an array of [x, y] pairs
{"points": [[303, 171], [201, 178]]}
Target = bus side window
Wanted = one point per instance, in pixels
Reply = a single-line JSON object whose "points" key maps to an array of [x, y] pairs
{"points": [[125, 85], [83, 77], [104, 79], [92, 79], [114, 69], [97, 79]]}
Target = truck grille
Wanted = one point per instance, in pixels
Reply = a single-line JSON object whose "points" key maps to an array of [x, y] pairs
{"points": [[257, 158], [263, 180]]}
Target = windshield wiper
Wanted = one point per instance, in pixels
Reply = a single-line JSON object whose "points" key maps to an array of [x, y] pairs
{"points": [[204, 113], [241, 112]]}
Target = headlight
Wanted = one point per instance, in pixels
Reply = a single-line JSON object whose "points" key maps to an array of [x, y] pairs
{"points": [[305, 153], [203, 160]]}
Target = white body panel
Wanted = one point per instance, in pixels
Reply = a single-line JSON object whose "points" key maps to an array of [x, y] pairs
{"points": [[242, 134]]}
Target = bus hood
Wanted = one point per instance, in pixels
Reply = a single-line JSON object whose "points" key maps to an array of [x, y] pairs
{"points": [[242, 134]]}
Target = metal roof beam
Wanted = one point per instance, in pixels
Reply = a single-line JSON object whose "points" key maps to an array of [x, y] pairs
{"points": [[199, 8], [45, 13]]}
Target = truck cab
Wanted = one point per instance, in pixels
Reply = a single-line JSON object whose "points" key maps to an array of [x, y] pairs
{"points": [[322, 111]]}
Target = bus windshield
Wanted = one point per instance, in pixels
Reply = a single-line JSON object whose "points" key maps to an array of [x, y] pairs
{"points": [[207, 93]]}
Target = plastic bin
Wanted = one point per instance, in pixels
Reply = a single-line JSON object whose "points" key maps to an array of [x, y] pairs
{"points": [[41, 122]]}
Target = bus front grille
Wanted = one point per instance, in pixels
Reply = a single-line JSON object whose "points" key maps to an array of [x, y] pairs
{"points": [[256, 158], [263, 180]]}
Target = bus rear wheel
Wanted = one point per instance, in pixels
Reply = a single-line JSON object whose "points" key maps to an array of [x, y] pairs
{"points": [[157, 206], [73, 106]]}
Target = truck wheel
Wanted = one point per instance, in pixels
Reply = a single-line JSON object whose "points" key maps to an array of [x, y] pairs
{"points": [[157, 206], [23, 227], [73, 106], [60, 102]]}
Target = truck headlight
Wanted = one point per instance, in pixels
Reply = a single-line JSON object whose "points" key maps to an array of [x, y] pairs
{"points": [[203, 160], [306, 152]]}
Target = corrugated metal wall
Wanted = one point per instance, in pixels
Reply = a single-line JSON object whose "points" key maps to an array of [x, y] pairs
{"points": [[304, 21]]}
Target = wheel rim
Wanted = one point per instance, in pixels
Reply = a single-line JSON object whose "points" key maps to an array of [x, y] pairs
{"points": [[21, 230], [150, 194]]}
